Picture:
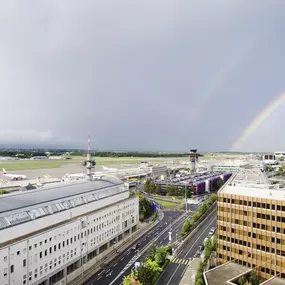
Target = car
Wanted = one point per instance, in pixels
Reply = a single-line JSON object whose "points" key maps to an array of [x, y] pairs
{"points": [[212, 231], [135, 246]]}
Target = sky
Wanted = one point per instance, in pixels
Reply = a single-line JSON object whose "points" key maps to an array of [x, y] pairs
{"points": [[142, 75]]}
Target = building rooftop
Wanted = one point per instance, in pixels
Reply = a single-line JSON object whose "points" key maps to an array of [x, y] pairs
{"points": [[25, 206], [222, 274], [25, 199], [275, 281], [253, 183]]}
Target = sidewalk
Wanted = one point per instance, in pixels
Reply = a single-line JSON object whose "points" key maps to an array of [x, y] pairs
{"points": [[190, 274], [108, 256]]}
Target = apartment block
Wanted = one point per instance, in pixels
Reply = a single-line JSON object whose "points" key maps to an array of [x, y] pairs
{"points": [[251, 223]]}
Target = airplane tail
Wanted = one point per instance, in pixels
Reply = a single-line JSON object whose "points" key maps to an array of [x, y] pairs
{"points": [[4, 171], [104, 167]]}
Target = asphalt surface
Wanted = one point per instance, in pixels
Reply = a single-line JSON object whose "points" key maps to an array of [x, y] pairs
{"points": [[175, 271], [122, 265]]}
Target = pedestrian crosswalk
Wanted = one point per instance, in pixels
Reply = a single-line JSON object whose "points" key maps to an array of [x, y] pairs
{"points": [[181, 261]]}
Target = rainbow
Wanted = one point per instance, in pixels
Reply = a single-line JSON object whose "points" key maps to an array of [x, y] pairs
{"points": [[262, 116]]}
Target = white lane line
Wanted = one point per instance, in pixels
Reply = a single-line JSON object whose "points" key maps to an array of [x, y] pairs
{"points": [[122, 258], [115, 264], [99, 278], [128, 253], [144, 250], [210, 224]]}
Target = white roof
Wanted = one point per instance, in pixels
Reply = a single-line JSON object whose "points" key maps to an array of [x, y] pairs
{"points": [[253, 183], [275, 194]]}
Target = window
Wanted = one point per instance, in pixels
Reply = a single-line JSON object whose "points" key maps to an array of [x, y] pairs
{"points": [[12, 269], [24, 262], [18, 252], [30, 247], [5, 271], [5, 258], [41, 254]]}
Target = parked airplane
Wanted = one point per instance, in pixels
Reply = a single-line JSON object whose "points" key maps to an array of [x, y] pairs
{"points": [[14, 176], [112, 169]]}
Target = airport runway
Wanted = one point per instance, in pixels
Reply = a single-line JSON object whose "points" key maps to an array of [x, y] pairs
{"points": [[123, 264]]}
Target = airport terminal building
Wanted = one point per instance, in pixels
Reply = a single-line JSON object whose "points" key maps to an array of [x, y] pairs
{"points": [[52, 235]]}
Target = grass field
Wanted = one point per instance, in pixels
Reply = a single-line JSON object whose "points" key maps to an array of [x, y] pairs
{"points": [[11, 165], [166, 204], [168, 198]]}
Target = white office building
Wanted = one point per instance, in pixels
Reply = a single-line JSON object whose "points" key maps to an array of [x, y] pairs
{"points": [[52, 235]]}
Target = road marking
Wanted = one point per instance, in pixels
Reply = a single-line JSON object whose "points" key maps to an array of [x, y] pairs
{"points": [[99, 278], [128, 253], [122, 258], [115, 264], [145, 249], [210, 224]]}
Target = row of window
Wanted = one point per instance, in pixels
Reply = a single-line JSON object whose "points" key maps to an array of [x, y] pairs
{"points": [[270, 229], [253, 214], [253, 245], [54, 263], [253, 204]]}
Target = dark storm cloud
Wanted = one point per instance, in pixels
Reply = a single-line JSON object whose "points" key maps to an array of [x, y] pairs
{"points": [[165, 75]]}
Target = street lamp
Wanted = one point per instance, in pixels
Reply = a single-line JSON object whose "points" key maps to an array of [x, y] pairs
{"points": [[185, 198]]}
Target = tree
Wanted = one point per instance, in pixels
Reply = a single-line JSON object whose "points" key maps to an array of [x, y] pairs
{"points": [[195, 218], [160, 256], [242, 280], [151, 251], [147, 186], [169, 190], [131, 279], [148, 271], [213, 198], [157, 189], [214, 243], [169, 249], [219, 184], [186, 226], [152, 188], [207, 249], [253, 278]]}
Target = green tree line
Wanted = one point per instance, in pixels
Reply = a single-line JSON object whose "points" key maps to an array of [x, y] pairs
{"points": [[188, 224], [151, 267]]}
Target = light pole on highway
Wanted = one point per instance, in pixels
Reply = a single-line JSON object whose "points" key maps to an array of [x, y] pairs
{"points": [[185, 197]]}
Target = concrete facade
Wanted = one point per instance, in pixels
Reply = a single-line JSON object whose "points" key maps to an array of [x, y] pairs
{"points": [[59, 245]]}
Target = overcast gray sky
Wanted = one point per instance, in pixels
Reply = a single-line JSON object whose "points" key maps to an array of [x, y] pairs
{"points": [[142, 75]]}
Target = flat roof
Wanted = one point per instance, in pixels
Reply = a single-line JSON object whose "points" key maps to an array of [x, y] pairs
{"points": [[275, 281], [221, 274], [29, 198], [253, 183]]}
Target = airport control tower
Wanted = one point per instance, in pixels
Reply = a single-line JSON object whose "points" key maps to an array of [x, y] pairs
{"points": [[89, 163], [193, 155]]}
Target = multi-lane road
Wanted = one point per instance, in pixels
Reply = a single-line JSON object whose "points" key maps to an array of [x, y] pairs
{"points": [[122, 265], [124, 262], [176, 269]]}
